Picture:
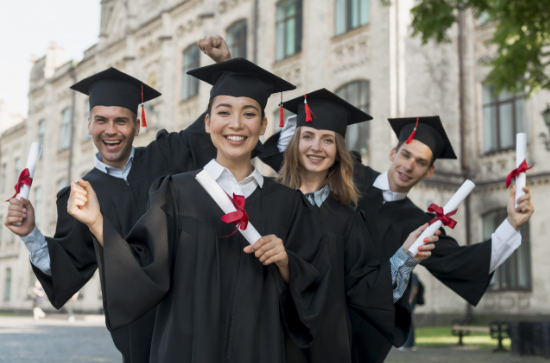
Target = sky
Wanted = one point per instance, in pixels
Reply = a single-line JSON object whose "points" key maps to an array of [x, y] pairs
{"points": [[27, 27]]}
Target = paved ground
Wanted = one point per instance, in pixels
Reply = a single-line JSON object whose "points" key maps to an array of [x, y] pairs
{"points": [[55, 340], [457, 355], [22, 340]]}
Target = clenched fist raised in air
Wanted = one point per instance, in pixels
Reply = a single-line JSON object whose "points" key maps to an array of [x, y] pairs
{"points": [[84, 206]]}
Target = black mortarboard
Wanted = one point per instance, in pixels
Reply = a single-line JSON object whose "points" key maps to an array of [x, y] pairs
{"points": [[428, 130], [112, 87], [324, 110], [239, 77]]}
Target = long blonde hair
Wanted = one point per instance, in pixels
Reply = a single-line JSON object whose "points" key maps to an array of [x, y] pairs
{"points": [[339, 176]]}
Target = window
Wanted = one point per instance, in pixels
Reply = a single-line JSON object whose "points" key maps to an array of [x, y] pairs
{"points": [[37, 205], [65, 130], [236, 39], [85, 135], [357, 93], [41, 133], [503, 116], [350, 14], [288, 29], [515, 273], [191, 60], [7, 288], [4, 177]]}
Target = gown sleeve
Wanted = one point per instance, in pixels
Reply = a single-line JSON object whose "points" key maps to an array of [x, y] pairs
{"points": [[463, 269], [368, 283], [302, 301], [72, 256], [270, 154], [136, 270]]}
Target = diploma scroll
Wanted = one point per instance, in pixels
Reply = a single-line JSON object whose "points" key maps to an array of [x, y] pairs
{"points": [[453, 203], [521, 179], [32, 162], [223, 201]]}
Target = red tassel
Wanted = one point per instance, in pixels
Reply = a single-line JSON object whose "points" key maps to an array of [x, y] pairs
{"points": [[282, 120], [143, 120], [410, 139], [309, 113]]}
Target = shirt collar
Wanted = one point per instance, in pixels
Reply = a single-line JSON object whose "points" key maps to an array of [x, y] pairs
{"points": [[317, 198], [383, 183], [216, 171], [99, 164]]}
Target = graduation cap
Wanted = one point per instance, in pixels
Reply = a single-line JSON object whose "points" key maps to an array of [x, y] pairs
{"points": [[112, 87], [324, 110], [239, 77], [428, 130]]}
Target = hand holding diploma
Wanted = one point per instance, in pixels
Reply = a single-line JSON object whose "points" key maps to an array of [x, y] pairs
{"points": [[270, 249], [424, 250], [519, 210], [84, 206], [444, 215]]}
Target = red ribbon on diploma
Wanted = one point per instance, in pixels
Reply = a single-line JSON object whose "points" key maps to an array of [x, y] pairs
{"points": [[24, 179], [521, 169], [239, 217], [440, 216]]}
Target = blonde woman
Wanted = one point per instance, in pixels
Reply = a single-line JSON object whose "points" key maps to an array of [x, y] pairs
{"points": [[317, 162]]}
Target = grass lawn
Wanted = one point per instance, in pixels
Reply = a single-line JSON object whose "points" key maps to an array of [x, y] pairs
{"points": [[441, 337]]}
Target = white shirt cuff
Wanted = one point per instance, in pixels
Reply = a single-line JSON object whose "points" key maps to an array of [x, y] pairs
{"points": [[286, 133], [504, 241]]}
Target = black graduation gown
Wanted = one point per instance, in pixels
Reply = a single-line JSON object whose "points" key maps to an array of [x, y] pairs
{"points": [[358, 281], [464, 269], [72, 254], [215, 302]]}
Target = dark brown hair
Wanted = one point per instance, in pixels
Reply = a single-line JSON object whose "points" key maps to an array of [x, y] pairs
{"points": [[339, 176]]}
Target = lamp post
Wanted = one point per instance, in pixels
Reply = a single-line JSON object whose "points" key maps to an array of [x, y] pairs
{"points": [[546, 117]]}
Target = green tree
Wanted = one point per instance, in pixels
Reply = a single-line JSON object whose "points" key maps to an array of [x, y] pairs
{"points": [[521, 37]]}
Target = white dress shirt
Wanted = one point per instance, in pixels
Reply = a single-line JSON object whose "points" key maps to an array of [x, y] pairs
{"points": [[36, 242], [229, 184], [505, 240]]}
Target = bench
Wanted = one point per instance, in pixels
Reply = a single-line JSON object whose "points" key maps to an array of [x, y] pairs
{"points": [[498, 330]]}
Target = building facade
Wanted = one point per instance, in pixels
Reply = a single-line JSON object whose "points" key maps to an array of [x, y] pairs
{"points": [[359, 49]]}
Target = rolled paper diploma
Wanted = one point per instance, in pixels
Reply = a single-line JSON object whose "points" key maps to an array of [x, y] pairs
{"points": [[451, 205], [521, 179], [223, 201], [32, 162]]}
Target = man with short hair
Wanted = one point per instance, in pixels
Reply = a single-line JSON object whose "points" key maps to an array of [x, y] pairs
{"points": [[121, 178], [467, 270]]}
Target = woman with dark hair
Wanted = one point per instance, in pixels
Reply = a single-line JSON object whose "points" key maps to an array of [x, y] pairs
{"points": [[221, 296], [317, 162]]}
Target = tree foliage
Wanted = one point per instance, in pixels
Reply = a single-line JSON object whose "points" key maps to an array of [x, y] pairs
{"points": [[521, 37]]}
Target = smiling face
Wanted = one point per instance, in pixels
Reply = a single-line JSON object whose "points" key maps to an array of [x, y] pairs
{"points": [[317, 149], [113, 129], [410, 164], [235, 125]]}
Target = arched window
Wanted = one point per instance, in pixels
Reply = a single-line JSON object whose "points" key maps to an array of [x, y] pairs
{"points": [[191, 60], [7, 286], [515, 273], [41, 132], [288, 29], [357, 93], [236, 39]]}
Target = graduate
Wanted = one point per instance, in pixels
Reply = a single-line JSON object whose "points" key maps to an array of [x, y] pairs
{"points": [[121, 178], [219, 298], [318, 163], [467, 270]]}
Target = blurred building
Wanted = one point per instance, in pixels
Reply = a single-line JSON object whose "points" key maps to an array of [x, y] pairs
{"points": [[357, 48]]}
